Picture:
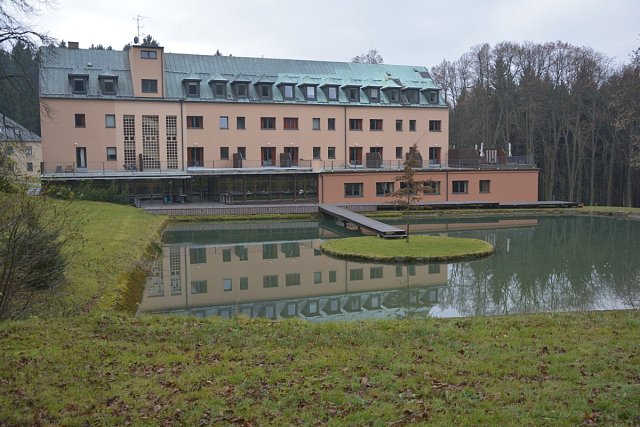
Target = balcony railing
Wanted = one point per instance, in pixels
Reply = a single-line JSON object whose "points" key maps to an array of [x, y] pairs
{"points": [[148, 167]]}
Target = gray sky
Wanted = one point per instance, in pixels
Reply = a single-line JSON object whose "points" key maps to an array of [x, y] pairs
{"points": [[408, 32]]}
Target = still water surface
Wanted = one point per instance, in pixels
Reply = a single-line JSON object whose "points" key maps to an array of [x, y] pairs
{"points": [[276, 270]]}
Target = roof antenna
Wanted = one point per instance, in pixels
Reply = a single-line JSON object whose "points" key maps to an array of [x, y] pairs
{"points": [[138, 18]]}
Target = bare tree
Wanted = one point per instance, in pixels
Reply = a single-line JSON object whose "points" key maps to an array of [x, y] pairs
{"points": [[371, 57], [14, 29]]}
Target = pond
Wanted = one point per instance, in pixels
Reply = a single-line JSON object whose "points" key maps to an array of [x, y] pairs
{"points": [[276, 270]]}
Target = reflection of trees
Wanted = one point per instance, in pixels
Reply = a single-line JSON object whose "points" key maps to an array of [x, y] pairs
{"points": [[572, 263]]}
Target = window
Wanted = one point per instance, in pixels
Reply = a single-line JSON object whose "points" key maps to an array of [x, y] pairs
{"points": [[332, 93], [433, 97], [394, 95], [290, 249], [398, 271], [353, 94], [112, 154], [29, 167], [227, 285], [331, 152], [435, 126], [269, 251], [384, 188], [376, 272], [240, 123], [244, 283], [270, 281], [374, 94], [242, 90], [287, 91], [375, 124], [411, 270], [226, 255], [432, 187], [356, 274], [242, 151], [224, 153], [317, 277], [224, 122], [148, 54], [399, 125], [315, 123], [355, 124], [333, 276], [80, 121], [353, 189], [316, 153], [199, 287], [194, 122], [220, 90], [29, 150], [108, 86], [412, 125], [434, 268], [265, 91], [331, 123], [267, 122], [398, 152], [485, 186], [193, 89], [197, 255], [292, 279], [149, 86], [460, 187], [310, 92], [110, 120], [291, 123], [412, 96]]}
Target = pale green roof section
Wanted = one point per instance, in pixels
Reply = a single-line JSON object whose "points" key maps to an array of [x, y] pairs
{"points": [[58, 63]]}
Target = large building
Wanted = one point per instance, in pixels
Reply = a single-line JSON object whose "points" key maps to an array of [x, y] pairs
{"points": [[180, 127]]}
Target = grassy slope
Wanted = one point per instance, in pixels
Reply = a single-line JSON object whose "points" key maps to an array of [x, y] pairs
{"points": [[548, 369], [416, 248], [113, 239]]}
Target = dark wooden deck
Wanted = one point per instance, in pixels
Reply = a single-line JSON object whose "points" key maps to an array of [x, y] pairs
{"points": [[380, 228]]}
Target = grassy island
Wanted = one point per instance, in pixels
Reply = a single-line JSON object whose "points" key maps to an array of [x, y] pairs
{"points": [[417, 249]]}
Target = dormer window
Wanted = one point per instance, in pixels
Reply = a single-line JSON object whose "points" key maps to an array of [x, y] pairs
{"points": [[433, 96], [219, 90], [287, 91], [331, 93], [108, 85], [412, 96], [310, 93], [264, 91], [353, 93], [193, 90], [374, 94], [393, 95], [240, 89], [79, 84]]}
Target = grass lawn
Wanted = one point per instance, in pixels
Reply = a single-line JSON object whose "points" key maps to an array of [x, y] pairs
{"points": [[416, 249], [114, 240], [548, 369]]}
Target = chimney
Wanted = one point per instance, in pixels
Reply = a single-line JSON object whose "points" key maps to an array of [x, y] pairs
{"points": [[73, 45]]}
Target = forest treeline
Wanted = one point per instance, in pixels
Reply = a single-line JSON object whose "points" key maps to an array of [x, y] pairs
{"points": [[569, 107]]}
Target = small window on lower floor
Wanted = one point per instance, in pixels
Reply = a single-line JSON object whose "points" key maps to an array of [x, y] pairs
{"points": [[227, 285], [356, 274], [29, 167], [353, 189], [317, 277], [398, 152], [331, 152], [331, 123], [315, 123], [110, 120], [199, 287], [292, 279], [432, 187], [316, 153], [459, 187], [244, 283], [485, 186], [333, 276], [112, 154], [224, 153], [384, 188]]}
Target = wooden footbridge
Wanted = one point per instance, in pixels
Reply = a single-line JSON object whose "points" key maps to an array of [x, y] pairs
{"points": [[361, 221]]}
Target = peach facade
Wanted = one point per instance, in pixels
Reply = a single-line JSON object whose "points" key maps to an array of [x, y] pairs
{"points": [[232, 127]]}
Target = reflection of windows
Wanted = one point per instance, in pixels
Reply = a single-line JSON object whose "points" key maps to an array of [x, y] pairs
{"points": [[356, 274], [269, 251], [375, 273], [411, 269], [317, 277], [197, 255], [290, 249], [270, 281], [333, 276], [174, 268], [292, 279], [398, 271], [227, 285], [244, 283], [199, 287], [434, 268], [241, 252], [226, 255]]}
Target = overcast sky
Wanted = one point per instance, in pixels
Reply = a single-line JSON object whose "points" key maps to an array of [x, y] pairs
{"points": [[407, 32]]}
